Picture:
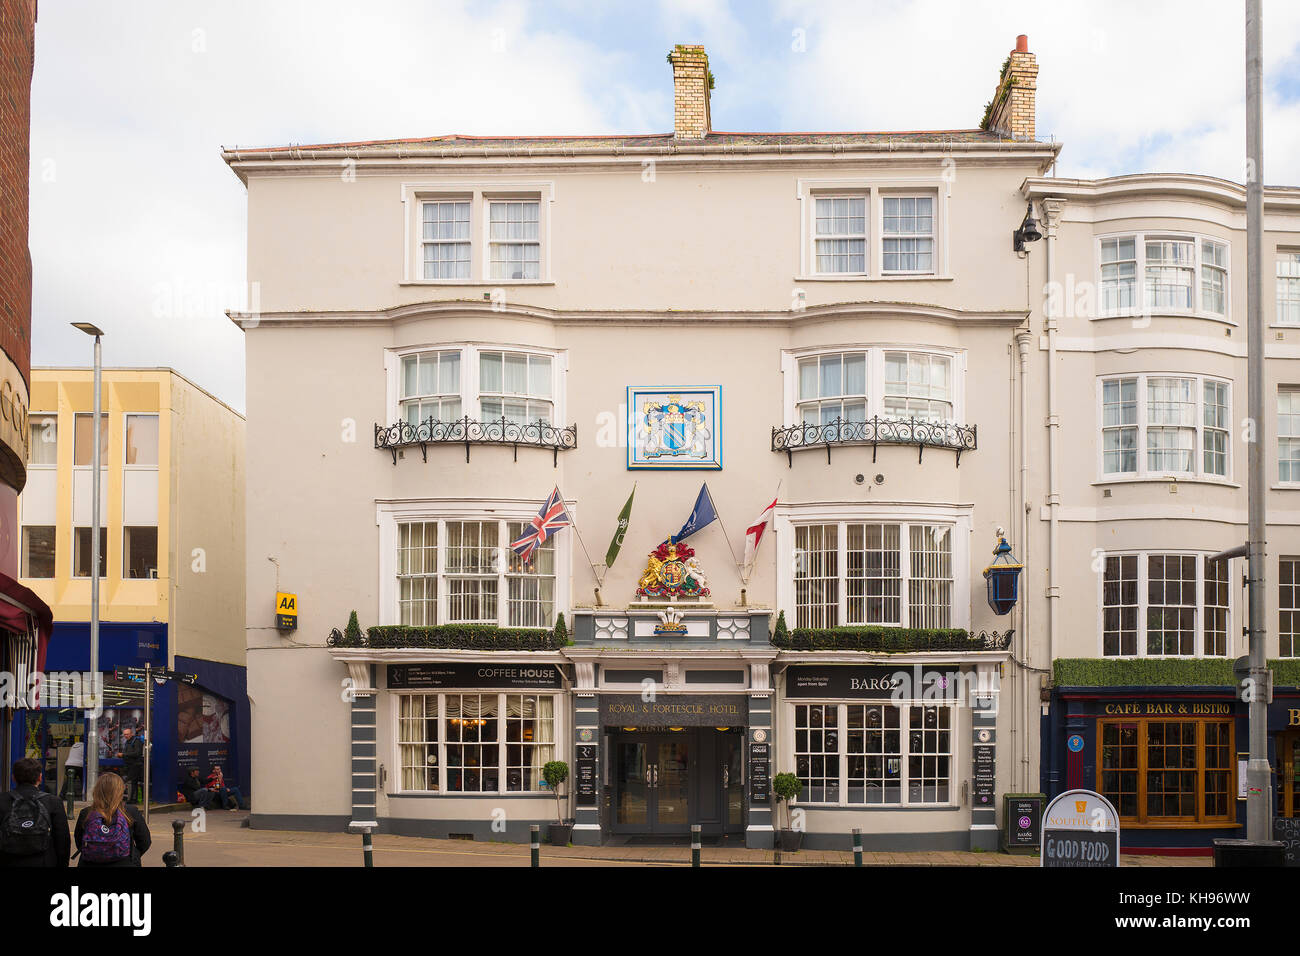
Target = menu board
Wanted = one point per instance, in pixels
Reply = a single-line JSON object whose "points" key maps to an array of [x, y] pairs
{"points": [[985, 775], [760, 761], [586, 775], [1287, 830]]}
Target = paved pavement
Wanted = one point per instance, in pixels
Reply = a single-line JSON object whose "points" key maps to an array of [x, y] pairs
{"points": [[226, 842]]}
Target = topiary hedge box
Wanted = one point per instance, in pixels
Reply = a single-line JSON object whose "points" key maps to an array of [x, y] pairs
{"points": [[1201, 672]]}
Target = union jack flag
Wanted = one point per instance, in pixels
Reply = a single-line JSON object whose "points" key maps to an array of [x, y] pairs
{"points": [[550, 519]]}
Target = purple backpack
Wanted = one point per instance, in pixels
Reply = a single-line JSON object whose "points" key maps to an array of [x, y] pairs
{"points": [[106, 842]]}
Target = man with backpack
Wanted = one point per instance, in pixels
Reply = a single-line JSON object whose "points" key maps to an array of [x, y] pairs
{"points": [[33, 824]]}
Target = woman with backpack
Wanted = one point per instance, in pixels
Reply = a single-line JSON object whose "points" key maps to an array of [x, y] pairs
{"points": [[111, 832]]}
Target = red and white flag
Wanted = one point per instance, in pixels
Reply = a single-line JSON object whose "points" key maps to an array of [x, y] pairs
{"points": [[754, 533]]}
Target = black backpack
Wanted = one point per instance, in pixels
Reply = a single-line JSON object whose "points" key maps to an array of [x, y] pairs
{"points": [[26, 830]]}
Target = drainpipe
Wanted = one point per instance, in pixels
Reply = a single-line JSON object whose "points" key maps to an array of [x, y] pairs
{"points": [[1025, 712], [1051, 219]]}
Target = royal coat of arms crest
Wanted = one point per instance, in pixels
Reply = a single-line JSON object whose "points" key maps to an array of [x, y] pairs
{"points": [[674, 428], [672, 571]]}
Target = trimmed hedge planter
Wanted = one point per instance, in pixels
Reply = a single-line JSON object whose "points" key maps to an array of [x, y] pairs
{"points": [[1202, 672], [470, 637]]}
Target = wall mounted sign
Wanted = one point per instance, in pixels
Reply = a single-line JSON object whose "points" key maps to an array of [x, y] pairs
{"points": [[286, 611], [1141, 708], [432, 676], [1080, 829], [829, 680], [1075, 743], [585, 758], [985, 776], [760, 762], [674, 427], [675, 710]]}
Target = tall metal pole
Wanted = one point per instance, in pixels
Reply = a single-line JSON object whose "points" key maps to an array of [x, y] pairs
{"points": [[1258, 776], [92, 749], [148, 732]]}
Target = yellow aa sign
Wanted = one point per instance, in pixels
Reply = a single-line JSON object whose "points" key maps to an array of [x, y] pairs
{"points": [[286, 611]]}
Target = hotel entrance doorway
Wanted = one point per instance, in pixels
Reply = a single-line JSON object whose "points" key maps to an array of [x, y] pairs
{"points": [[666, 779]]}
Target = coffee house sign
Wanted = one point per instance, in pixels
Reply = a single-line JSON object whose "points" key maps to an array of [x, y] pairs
{"points": [[685, 710]]}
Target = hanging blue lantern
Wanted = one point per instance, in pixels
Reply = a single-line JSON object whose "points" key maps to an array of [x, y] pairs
{"points": [[1003, 578]]}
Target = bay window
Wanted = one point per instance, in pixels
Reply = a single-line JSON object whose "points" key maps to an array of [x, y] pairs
{"points": [[430, 387], [1162, 273], [515, 386], [1155, 425], [855, 573], [885, 753], [1164, 605], [475, 742], [454, 571], [852, 386]]}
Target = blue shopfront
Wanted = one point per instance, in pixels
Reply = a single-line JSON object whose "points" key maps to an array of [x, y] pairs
{"points": [[200, 725], [1170, 758]]}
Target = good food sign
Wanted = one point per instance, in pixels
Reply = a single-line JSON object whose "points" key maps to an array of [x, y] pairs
{"points": [[1080, 829]]}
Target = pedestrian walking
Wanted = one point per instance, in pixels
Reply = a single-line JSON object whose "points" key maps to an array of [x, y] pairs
{"points": [[111, 832], [73, 768], [33, 825], [132, 761]]}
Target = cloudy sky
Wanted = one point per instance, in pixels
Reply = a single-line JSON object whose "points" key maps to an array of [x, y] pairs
{"points": [[138, 226]]}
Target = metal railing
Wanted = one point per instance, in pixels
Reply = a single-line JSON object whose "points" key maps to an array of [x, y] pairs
{"points": [[470, 431], [875, 431]]}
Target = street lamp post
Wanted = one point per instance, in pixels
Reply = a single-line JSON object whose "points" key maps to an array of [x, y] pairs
{"points": [[92, 737]]}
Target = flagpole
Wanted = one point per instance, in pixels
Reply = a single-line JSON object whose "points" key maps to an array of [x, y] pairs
{"points": [[574, 525], [724, 533], [748, 571]]}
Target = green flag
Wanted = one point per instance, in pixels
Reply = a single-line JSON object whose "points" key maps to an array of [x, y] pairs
{"points": [[616, 542]]}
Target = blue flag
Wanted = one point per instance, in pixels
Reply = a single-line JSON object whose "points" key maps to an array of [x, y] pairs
{"points": [[703, 514]]}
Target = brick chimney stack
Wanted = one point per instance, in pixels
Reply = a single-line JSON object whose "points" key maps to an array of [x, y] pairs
{"points": [[690, 92], [1012, 110]]}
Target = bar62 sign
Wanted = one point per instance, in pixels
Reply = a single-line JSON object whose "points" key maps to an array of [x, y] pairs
{"points": [[286, 611]]}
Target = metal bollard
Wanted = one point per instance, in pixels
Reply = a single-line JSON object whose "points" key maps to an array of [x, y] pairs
{"points": [[535, 844], [170, 859], [368, 847], [178, 841], [69, 802], [695, 844], [857, 847]]}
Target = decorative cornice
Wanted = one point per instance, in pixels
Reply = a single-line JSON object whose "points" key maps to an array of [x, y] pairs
{"points": [[1158, 186], [658, 318]]}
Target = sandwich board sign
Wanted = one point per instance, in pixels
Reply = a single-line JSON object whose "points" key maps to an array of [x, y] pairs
{"points": [[1080, 829]]}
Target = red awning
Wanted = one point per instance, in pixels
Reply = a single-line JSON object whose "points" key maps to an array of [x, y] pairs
{"points": [[22, 611]]}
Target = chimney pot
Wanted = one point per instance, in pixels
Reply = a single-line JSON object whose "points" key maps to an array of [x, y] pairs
{"points": [[1022, 43]]}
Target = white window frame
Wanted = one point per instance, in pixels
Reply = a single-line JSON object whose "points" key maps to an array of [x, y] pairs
{"points": [[467, 240], [807, 191], [1282, 608], [865, 235], [1143, 576], [841, 705], [1140, 307], [389, 514], [1198, 455], [790, 359], [932, 235], [126, 448], [1277, 431], [787, 516], [558, 730], [478, 193], [1281, 255], [469, 376]]}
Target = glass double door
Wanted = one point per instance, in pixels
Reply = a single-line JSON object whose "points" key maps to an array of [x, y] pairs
{"points": [[654, 783]]}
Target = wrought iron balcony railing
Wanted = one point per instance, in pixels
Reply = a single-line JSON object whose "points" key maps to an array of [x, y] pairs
{"points": [[875, 431], [469, 431]]}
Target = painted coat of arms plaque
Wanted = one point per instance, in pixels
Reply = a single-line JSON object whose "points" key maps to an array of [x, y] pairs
{"points": [[674, 428]]}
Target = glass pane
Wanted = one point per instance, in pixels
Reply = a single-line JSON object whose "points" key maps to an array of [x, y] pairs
{"points": [[142, 439], [83, 440], [490, 372]]}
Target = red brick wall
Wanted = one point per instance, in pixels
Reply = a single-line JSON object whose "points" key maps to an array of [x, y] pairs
{"points": [[17, 46]]}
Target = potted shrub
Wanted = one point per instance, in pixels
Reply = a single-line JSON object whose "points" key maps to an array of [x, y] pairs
{"points": [[555, 772], [787, 787]]}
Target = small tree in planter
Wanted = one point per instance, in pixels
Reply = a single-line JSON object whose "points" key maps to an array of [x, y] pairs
{"points": [[787, 787], [352, 633], [555, 772]]}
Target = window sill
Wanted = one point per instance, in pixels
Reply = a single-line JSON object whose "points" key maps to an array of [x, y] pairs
{"points": [[1294, 326], [1171, 479], [874, 807], [1285, 486], [902, 277], [1168, 314], [472, 795], [486, 283]]}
